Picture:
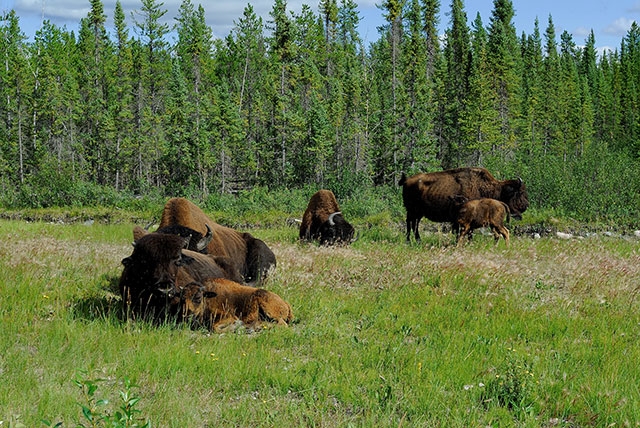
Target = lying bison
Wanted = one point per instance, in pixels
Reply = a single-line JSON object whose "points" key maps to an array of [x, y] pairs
{"points": [[484, 212], [322, 221], [429, 195], [251, 256], [218, 303], [161, 262]]}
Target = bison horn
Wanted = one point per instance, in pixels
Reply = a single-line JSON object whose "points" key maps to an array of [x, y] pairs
{"points": [[331, 216], [204, 242]]}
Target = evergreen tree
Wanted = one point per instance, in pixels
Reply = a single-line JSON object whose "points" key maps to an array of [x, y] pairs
{"points": [[95, 81], [480, 124], [152, 65], [630, 90], [504, 60], [57, 96], [350, 64], [551, 77], [569, 100], [419, 152], [457, 57], [430, 10], [193, 57], [242, 62], [16, 77], [532, 91], [282, 55], [121, 105]]}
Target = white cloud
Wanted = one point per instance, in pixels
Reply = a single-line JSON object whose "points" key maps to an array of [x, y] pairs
{"points": [[619, 27], [581, 32]]}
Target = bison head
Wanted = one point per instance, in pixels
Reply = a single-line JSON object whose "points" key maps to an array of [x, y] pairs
{"points": [[191, 301], [151, 270], [336, 230], [514, 194]]}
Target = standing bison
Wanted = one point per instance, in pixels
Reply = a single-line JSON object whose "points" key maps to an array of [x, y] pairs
{"points": [[429, 195], [483, 212], [322, 221], [251, 256], [161, 262]]}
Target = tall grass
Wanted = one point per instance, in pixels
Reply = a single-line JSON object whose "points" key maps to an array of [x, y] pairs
{"points": [[385, 334]]}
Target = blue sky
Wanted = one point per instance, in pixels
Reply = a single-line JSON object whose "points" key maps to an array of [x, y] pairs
{"points": [[610, 20]]}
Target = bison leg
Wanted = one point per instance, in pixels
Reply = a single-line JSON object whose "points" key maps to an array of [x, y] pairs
{"points": [[228, 323], [465, 229], [272, 307], [413, 223], [500, 230]]}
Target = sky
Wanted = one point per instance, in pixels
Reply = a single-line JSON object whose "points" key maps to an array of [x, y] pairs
{"points": [[610, 20]]}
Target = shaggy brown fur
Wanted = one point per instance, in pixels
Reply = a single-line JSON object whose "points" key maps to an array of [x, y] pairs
{"points": [[252, 257], [428, 195], [218, 303], [483, 212], [323, 221], [160, 262]]}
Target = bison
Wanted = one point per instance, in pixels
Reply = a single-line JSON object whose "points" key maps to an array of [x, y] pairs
{"points": [[251, 256], [218, 303], [160, 262], [322, 221], [428, 194], [477, 213]]}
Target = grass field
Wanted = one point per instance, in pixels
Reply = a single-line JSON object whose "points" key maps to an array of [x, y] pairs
{"points": [[543, 333]]}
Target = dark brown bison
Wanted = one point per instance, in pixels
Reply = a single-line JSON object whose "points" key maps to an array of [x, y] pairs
{"points": [[218, 303], [252, 257], [322, 221], [484, 212], [428, 195], [160, 262]]}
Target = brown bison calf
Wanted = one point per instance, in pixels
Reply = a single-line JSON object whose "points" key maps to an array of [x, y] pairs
{"points": [[217, 303], [476, 213]]}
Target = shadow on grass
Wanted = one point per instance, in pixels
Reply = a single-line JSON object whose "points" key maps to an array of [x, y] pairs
{"points": [[106, 304]]}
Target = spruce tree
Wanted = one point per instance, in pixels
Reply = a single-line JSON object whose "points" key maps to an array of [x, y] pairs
{"points": [[457, 57]]}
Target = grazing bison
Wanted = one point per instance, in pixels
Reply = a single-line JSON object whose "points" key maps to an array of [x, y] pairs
{"points": [[477, 213], [323, 221], [251, 256], [217, 303], [428, 195], [160, 262]]}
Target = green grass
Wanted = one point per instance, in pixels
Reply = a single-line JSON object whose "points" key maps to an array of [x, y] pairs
{"points": [[543, 333]]}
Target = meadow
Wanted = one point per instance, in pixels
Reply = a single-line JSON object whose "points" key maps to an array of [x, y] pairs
{"points": [[543, 333]]}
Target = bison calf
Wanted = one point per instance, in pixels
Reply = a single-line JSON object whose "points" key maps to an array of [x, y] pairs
{"points": [[476, 213], [217, 303]]}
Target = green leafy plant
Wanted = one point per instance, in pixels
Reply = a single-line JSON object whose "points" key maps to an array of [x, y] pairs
{"points": [[96, 412], [511, 385]]}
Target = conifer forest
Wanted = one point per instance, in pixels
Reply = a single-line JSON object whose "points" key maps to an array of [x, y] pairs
{"points": [[299, 100]]}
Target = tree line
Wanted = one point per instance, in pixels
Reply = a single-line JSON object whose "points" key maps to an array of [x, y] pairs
{"points": [[299, 100]]}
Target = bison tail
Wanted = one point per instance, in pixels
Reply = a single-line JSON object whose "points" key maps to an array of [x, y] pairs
{"points": [[403, 179]]}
